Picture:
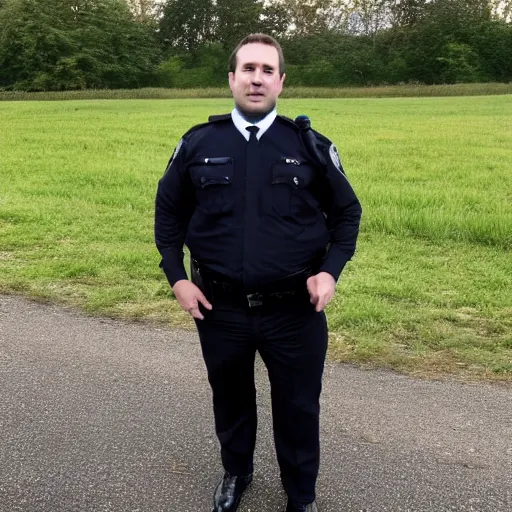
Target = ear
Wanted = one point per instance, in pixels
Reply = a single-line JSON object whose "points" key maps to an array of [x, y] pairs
{"points": [[231, 79], [281, 82]]}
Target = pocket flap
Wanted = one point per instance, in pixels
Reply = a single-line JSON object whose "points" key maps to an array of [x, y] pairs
{"points": [[293, 173], [212, 171]]}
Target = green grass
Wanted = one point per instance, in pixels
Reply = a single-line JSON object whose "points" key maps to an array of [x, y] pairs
{"points": [[429, 291], [391, 91]]}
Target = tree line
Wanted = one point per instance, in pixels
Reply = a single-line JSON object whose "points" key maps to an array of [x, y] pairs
{"points": [[78, 44]]}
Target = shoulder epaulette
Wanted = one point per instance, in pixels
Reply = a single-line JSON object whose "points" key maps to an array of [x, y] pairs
{"points": [[289, 120], [221, 117], [211, 119]]}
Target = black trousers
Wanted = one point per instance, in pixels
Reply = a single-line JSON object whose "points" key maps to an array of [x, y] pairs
{"points": [[291, 338]]}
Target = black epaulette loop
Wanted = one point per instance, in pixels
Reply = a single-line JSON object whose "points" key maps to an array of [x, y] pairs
{"points": [[221, 117], [211, 119], [310, 139], [288, 120]]}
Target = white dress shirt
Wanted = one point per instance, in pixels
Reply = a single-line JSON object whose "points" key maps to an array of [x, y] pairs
{"points": [[242, 124]]}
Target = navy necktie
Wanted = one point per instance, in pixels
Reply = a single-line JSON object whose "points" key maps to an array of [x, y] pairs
{"points": [[252, 182], [253, 130]]}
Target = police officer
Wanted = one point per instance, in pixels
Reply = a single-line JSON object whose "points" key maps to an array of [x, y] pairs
{"points": [[270, 221]]}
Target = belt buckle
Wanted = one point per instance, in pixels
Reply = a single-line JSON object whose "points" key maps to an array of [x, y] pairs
{"points": [[254, 299]]}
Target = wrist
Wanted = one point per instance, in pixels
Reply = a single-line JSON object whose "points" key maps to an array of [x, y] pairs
{"points": [[177, 283]]}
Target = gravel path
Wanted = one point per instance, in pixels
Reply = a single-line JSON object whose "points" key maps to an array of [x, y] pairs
{"points": [[102, 415]]}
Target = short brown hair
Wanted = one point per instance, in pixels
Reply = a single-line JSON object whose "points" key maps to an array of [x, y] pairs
{"points": [[257, 38]]}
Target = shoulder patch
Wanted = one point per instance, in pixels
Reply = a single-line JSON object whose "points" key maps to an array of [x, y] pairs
{"points": [[177, 150], [174, 155], [335, 158]]}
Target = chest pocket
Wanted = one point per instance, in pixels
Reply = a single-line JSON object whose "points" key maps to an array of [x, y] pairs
{"points": [[213, 183], [291, 191]]}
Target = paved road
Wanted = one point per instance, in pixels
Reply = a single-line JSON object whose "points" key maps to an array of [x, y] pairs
{"points": [[100, 415]]}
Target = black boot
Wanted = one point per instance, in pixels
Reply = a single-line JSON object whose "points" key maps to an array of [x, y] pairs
{"points": [[294, 507], [228, 492]]}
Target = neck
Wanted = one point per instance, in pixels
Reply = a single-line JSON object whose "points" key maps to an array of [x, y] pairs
{"points": [[253, 118]]}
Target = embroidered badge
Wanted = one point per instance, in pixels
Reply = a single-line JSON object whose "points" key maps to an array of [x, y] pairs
{"points": [[174, 155], [177, 150], [333, 153]]}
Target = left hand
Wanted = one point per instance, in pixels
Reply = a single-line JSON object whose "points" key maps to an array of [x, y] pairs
{"points": [[321, 288]]}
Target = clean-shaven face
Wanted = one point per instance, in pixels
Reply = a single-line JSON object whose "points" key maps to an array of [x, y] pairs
{"points": [[256, 83]]}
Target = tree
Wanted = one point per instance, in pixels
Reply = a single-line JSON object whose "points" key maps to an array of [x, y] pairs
{"points": [[367, 17], [185, 26], [237, 18], [494, 46], [116, 50], [144, 10], [501, 10], [459, 63], [33, 42], [274, 20], [404, 13], [73, 44], [441, 41], [307, 17]]}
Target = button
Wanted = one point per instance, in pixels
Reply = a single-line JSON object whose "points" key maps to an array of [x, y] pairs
{"points": [[203, 179], [296, 181]]}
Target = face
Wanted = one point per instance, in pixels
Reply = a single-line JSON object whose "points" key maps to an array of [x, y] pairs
{"points": [[256, 83]]}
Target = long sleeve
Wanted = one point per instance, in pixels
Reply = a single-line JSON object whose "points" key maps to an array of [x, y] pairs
{"points": [[343, 211], [174, 205]]}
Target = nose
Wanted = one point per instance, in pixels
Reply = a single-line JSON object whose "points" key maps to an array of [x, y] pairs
{"points": [[256, 77]]}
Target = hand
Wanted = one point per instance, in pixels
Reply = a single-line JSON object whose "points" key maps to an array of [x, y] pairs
{"points": [[189, 296], [321, 288]]}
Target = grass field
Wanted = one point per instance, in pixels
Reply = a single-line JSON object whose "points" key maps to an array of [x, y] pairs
{"points": [[429, 291]]}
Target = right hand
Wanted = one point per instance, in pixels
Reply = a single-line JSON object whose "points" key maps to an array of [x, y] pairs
{"points": [[189, 297]]}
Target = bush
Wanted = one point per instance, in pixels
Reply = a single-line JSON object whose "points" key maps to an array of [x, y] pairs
{"points": [[459, 64], [197, 78], [168, 71]]}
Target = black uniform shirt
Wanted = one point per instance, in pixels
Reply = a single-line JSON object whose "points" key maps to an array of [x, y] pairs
{"points": [[253, 212]]}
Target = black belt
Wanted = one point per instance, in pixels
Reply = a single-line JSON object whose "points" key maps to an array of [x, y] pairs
{"points": [[218, 287], [252, 299]]}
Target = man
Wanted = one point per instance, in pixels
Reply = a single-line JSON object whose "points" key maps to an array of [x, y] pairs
{"points": [[270, 221]]}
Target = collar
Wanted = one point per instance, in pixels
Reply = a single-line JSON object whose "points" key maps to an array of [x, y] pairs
{"points": [[242, 124]]}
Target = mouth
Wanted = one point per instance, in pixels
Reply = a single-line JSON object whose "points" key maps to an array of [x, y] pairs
{"points": [[255, 96]]}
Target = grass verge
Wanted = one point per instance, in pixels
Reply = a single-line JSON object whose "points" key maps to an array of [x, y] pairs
{"points": [[428, 293], [392, 91]]}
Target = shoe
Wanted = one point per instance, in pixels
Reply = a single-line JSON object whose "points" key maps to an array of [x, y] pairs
{"points": [[294, 507], [228, 492]]}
